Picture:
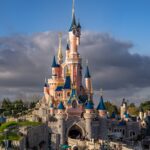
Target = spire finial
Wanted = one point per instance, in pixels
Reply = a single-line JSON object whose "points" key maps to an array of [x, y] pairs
{"points": [[60, 55], [60, 40], [101, 92], [73, 10], [68, 40], [87, 62]]}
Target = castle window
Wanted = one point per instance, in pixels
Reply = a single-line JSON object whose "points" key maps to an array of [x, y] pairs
{"points": [[68, 94], [74, 104], [123, 132]]}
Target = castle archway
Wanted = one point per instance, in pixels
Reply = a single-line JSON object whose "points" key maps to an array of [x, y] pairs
{"points": [[75, 132], [75, 147]]}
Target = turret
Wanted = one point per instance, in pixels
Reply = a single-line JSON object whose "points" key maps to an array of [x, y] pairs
{"points": [[51, 109], [101, 108], [61, 121], [113, 116], [141, 114], [126, 116], [60, 55], [145, 115], [89, 115], [61, 108], [123, 108], [46, 90], [89, 107], [74, 35], [88, 82], [55, 68], [45, 87]]}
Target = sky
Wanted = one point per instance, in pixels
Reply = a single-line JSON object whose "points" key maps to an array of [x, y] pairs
{"points": [[117, 30]]}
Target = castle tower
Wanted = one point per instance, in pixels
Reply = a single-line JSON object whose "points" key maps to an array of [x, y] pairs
{"points": [[101, 106], [89, 115], [88, 83], [55, 69], [123, 108], [60, 55], [141, 114], [46, 90], [145, 115], [61, 121], [74, 62], [45, 87], [56, 79]]}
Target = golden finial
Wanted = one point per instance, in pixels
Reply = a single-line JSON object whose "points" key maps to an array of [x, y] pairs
{"points": [[60, 55], [101, 92]]}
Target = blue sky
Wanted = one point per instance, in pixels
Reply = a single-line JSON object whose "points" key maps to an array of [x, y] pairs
{"points": [[123, 19], [113, 29]]}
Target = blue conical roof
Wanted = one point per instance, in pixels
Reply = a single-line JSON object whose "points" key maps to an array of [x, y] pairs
{"points": [[45, 85], [127, 115], [87, 73], [89, 105], [101, 105], [67, 83], [61, 105], [73, 96], [54, 64], [113, 115]]}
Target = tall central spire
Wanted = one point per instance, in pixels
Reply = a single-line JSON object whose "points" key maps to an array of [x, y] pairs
{"points": [[73, 24], [73, 10]]}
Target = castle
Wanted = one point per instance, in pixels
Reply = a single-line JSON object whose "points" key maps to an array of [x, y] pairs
{"points": [[67, 106]]}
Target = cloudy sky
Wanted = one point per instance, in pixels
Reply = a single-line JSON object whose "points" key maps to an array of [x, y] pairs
{"points": [[115, 40]]}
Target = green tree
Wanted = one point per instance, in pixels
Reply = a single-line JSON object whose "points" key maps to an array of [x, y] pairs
{"points": [[133, 110], [145, 106], [32, 105], [111, 108], [7, 106]]}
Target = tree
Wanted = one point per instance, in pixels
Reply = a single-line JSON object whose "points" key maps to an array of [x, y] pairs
{"points": [[133, 110], [145, 106], [32, 105], [7, 107], [111, 108]]}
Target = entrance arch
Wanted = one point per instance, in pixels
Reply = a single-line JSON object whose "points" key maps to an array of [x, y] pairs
{"points": [[75, 132], [75, 147]]}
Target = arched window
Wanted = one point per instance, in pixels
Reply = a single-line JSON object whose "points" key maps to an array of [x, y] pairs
{"points": [[68, 94], [74, 104]]}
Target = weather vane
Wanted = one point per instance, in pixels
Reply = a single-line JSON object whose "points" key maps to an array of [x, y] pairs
{"points": [[87, 62], [101, 92]]}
